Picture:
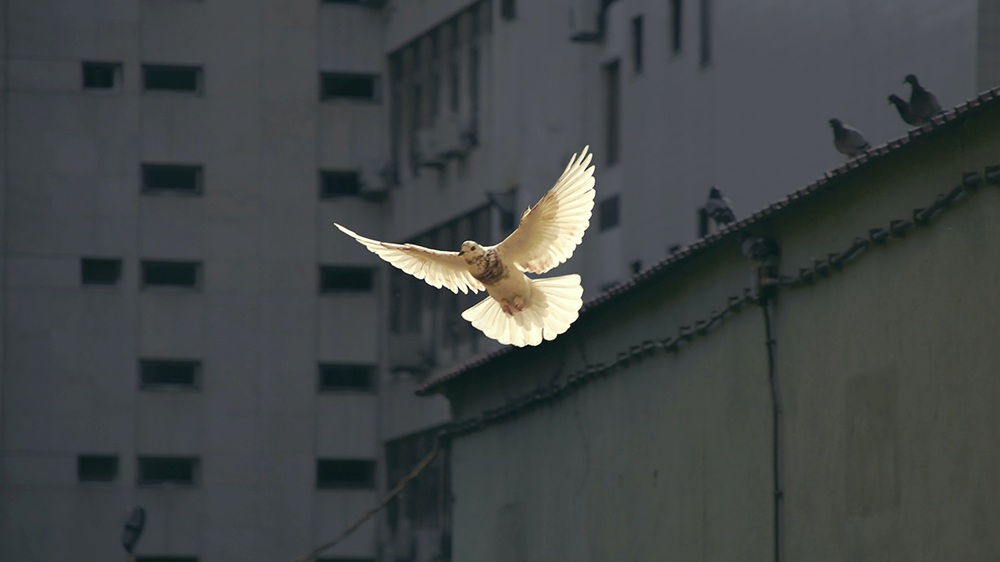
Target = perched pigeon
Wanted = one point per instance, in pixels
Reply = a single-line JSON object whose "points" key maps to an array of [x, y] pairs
{"points": [[923, 104], [904, 111], [520, 310], [719, 208], [848, 140]]}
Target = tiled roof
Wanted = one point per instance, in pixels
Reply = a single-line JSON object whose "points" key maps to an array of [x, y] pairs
{"points": [[944, 120]]}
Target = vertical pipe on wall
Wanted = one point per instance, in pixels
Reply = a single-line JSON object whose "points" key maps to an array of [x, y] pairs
{"points": [[777, 427]]}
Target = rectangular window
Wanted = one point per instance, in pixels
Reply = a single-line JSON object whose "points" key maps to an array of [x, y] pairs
{"points": [[675, 26], [340, 182], [435, 73], [168, 470], [101, 75], [100, 271], [612, 119], [166, 559], [341, 278], [454, 59], [345, 473], [508, 9], [171, 274], [96, 468], [171, 78], [341, 377], [608, 213], [474, 69], [395, 109], [341, 85], [706, 32], [183, 179], [637, 44], [169, 373]]}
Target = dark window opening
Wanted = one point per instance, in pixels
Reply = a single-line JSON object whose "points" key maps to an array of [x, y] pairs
{"points": [[612, 97], [161, 373], [171, 78], [101, 75], [435, 73], [337, 278], [609, 213], [637, 44], [100, 271], [351, 86], [474, 69], [170, 274], [454, 56], [338, 183], [168, 470], [97, 468], [395, 110], [176, 178], [345, 473], [508, 9], [338, 377], [706, 32], [676, 23]]}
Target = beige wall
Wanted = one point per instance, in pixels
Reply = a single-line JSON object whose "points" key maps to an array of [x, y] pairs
{"points": [[888, 370]]}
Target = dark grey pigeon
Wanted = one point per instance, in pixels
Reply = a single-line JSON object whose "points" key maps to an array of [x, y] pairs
{"points": [[904, 110], [719, 208], [848, 140], [923, 104]]}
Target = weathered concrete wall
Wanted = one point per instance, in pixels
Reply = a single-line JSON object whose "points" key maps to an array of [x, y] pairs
{"points": [[888, 382]]}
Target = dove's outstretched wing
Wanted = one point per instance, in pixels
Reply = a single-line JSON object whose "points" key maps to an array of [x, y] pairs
{"points": [[437, 268], [551, 230]]}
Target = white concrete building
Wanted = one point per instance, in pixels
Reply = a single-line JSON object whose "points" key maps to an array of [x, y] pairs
{"points": [[184, 329]]}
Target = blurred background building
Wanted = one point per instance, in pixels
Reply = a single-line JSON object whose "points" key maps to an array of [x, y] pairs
{"points": [[183, 327]]}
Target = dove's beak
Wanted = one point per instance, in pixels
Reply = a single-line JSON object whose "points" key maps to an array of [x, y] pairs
{"points": [[460, 252]]}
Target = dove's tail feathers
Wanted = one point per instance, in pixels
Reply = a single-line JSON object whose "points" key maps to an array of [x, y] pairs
{"points": [[554, 306]]}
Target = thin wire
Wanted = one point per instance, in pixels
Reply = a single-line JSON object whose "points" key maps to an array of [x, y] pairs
{"points": [[417, 470]]}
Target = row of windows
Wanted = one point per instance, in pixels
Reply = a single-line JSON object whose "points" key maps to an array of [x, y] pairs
{"points": [[188, 179], [186, 374], [612, 71], [173, 558], [676, 10], [188, 274], [108, 76], [186, 471], [195, 558]]}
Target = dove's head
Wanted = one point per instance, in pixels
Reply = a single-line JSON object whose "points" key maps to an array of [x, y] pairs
{"points": [[470, 251], [714, 192], [836, 124], [911, 80]]}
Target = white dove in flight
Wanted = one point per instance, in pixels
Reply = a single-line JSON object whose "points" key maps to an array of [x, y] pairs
{"points": [[520, 310]]}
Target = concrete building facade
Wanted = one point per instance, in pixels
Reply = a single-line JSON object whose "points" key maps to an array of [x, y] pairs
{"points": [[649, 430], [176, 328], [184, 328]]}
